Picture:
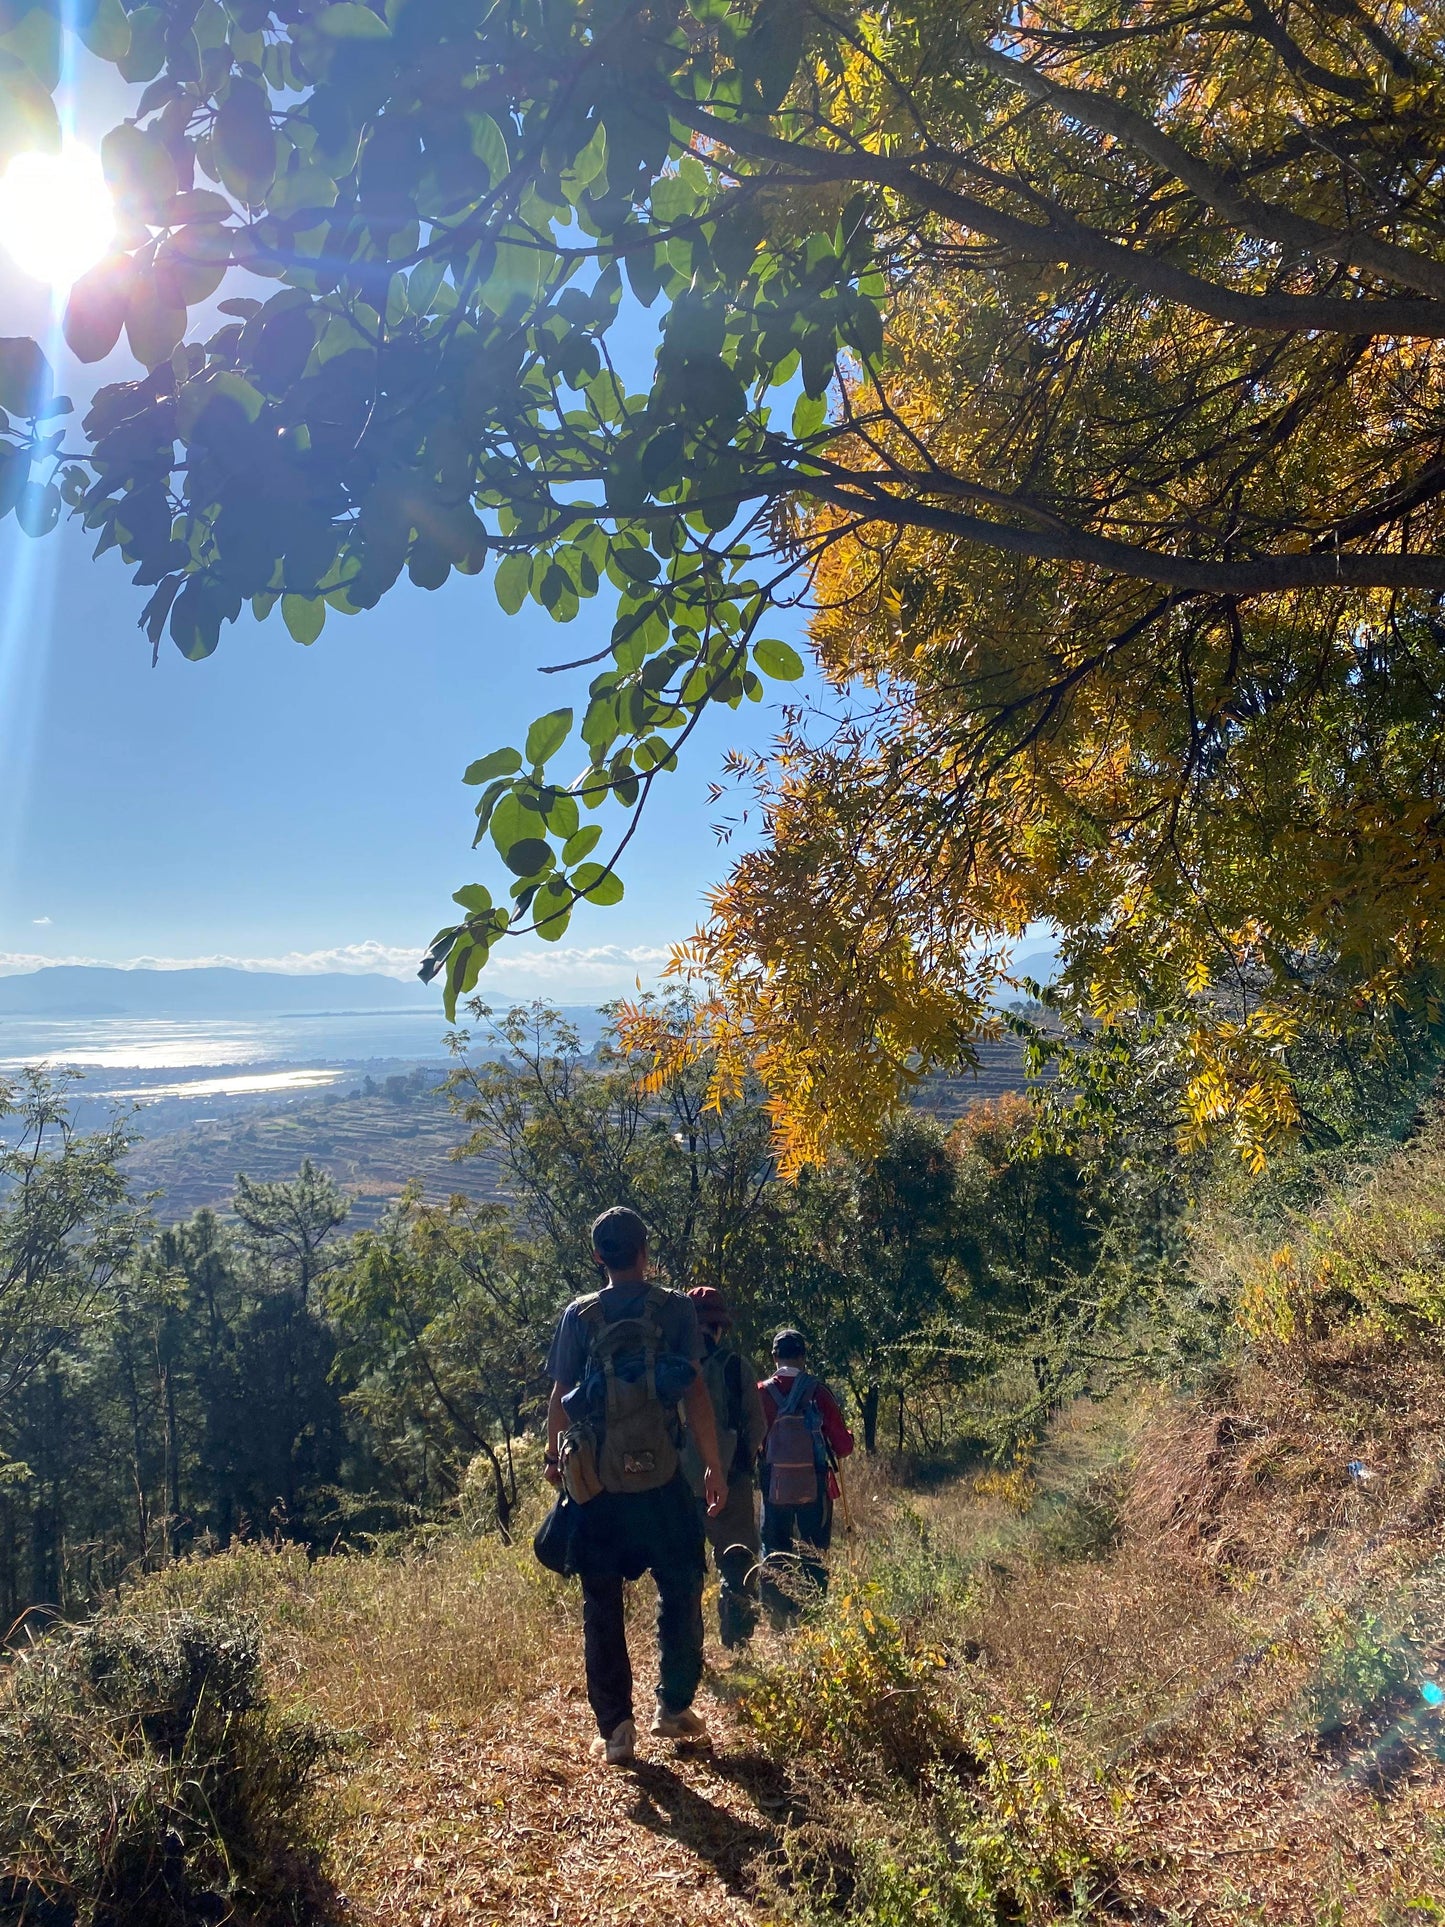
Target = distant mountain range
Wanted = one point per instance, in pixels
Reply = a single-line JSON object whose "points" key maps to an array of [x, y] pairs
{"points": [[95, 990]]}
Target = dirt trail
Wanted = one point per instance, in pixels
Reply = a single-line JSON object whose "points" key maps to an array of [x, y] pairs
{"points": [[509, 1820]]}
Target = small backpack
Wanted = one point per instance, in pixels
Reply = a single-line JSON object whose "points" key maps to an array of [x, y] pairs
{"points": [[637, 1449], [795, 1452]]}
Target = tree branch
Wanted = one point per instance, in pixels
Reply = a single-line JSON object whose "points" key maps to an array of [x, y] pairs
{"points": [[1263, 219], [1078, 246], [1269, 575]]}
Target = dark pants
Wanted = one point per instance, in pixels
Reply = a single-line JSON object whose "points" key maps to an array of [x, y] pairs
{"points": [[679, 1641], [733, 1536], [795, 1537]]}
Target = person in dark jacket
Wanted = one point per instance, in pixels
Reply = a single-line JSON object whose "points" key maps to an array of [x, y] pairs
{"points": [[732, 1383], [622, 1534], [796, 1536]]}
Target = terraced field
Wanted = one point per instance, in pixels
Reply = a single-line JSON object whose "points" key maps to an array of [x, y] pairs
{"points": [[376, 1142]]}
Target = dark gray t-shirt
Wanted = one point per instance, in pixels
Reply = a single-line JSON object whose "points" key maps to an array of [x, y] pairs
{"points": [[676, 1315]]}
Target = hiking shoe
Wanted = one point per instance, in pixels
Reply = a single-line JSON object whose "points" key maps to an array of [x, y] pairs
{"points": [[677, 1726], [620, 1746]]}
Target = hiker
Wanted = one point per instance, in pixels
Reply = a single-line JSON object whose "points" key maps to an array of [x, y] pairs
{"points": [[806, 1435], [620, 1362], [731, 1380]]}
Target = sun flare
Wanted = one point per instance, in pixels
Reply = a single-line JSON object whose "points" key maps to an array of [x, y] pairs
{"points": [[56, 215]]}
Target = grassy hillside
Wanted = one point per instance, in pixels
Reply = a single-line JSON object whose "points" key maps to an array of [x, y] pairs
{"points": [[1183, 1662]]}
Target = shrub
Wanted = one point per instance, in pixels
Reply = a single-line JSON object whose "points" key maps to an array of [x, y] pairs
{"points": [[146, 1782], [1007, 1847], [1362, 1663], [856, 1695]]}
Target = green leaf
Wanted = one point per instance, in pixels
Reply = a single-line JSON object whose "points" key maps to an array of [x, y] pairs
{"points": [[303, 616], [146, 54], [589, 164], [562, 817], [244, 142], [556, 586], [778, 660], [597, 884], [151, 329], [552, 910], [28, 119], [35, 43], [512, 581], [547, 735], [38, 509], [475, 897], [501, 762], [810, 413], [26, 382], [582, 844], [529, 858], [489, 144], [107, 32], [347, 20]]}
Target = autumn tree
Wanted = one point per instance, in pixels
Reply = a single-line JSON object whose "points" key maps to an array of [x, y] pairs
{"points": [[1129, 515]]}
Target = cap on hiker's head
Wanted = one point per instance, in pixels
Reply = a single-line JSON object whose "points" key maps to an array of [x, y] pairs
{"points": [[790, 1344], [619, 1237], [711, 1306]]}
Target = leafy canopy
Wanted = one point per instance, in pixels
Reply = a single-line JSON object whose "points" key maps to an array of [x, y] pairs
{"points": [[1086, 358]]}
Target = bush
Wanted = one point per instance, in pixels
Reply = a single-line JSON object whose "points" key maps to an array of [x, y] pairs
{"points": [[855, 1695], [146, 1782], [1362, 1664]]}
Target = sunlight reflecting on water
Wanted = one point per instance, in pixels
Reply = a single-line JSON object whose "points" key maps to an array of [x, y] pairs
{"points": [[237, 1086], [144, 1044]]}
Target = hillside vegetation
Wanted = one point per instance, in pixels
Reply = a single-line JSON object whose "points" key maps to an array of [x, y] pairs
{"points": [[1179, 1660]]}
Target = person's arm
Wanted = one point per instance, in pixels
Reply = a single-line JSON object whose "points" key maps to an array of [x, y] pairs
{"points": [[556, 1426], [835, 1426], [700, 1422]]}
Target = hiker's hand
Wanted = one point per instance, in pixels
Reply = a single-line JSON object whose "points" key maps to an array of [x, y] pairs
{"points": [[714, 1490], [552, 1471]]}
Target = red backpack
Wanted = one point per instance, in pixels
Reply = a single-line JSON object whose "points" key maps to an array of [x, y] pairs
{"points": [[795, 1452]]}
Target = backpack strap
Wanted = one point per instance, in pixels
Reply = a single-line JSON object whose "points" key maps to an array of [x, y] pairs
{"points": [[800, 1391], [790, 1402]]}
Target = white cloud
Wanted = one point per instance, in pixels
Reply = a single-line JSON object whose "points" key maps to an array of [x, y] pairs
{"points": [[608, 969], [41, 922], [605, 970], [391, 960]]}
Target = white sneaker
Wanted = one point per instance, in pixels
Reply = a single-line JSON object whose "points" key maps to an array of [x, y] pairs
{"points": [[620, 1746], [677, 1726]]}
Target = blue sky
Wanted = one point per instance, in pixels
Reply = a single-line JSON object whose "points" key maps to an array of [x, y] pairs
{"points": [[300, 807]]}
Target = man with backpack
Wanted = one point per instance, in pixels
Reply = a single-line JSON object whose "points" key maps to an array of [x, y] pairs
{"points": [[620, 1363], [732, 1385], [806, 1435]]}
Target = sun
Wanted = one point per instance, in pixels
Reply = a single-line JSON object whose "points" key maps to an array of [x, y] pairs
{"points": [[56, 215]]}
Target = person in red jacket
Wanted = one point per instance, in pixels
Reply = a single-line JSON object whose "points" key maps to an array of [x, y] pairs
{"points": [[805, 1436]]}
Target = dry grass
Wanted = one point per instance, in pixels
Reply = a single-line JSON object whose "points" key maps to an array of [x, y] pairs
{"points": [[467, 1793], [376, 1643]]}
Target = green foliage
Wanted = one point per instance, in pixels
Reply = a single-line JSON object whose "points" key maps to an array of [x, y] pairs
{"points": [[857, 1697], [186, 1397], [145, 1781], [1362, 1663], [66, 1225], [947, 1812], [442, 1320]]}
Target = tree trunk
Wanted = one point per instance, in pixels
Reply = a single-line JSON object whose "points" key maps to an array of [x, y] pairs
{"points": [[173, 1467], [868, 1407]]}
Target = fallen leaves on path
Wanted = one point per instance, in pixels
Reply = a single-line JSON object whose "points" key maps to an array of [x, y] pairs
{"points": [[509, 1820]]}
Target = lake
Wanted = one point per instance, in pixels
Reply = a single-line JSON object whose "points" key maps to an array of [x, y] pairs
{"points": [[159, 1044]]}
